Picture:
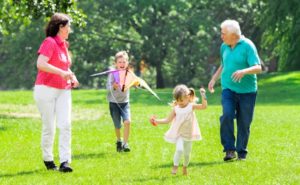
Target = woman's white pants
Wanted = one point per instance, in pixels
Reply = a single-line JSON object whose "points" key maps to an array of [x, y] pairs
{"points": [[54, 104]]}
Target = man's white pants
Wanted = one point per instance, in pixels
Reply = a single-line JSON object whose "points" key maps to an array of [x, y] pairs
{"points": [[185, 148], [54, 104]]}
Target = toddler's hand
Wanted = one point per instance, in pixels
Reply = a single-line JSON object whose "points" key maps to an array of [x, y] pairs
{"points": [[202, 92], [152, 121]]}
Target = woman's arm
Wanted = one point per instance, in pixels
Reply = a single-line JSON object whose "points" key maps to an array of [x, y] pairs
{"points": [[43, 65], [74, 80]]}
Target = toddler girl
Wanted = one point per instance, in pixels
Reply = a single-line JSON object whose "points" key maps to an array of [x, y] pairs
{"points": [[184, 128]]}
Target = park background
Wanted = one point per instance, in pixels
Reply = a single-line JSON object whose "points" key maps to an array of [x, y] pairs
{"points": [[169, 42]]}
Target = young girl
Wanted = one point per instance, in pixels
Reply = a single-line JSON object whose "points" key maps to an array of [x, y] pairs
{"points": [[184, 128]]}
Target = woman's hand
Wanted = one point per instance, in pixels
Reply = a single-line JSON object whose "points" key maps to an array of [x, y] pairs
{"points": [[74, 81], [67, 75]]}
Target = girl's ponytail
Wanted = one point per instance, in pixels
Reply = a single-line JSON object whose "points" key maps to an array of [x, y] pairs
{"points": [[193, 95]]}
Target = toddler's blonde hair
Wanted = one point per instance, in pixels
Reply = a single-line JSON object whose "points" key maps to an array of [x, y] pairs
{"points": [[181, 91]]}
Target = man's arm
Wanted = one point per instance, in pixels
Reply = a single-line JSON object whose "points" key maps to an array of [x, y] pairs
{"points": [[214, 78], [239, 74]]}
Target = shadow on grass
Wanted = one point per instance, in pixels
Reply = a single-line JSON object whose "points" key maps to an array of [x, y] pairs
{"points": [[193, 164], [3, 128], [203, 164], [162, 179], [22, 173], [88, 156], [18, 116], [8, 117]]}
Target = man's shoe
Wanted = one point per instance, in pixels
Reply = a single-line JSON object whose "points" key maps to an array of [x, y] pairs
{"points": [[64, 167], [229, 155], [119, 146], [241, 158], [126, 148], [50, 165]]}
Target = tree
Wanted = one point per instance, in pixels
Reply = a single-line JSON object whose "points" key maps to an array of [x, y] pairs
{"points": [[23, 12], [21, 31], [281, 21], [159, 25], [178, 40]]}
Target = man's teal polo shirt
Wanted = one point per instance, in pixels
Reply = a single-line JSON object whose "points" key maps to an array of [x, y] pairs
{"points": [[242, 56]]}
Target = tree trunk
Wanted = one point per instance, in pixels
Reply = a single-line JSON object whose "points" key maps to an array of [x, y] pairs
{"points": [[159, 77]]}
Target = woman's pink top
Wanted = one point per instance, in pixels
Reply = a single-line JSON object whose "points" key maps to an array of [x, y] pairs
{"points": [[57, 51]]}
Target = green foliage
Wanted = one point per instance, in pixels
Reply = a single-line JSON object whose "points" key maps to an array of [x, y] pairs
{"points": [[176, 36], [18, 57], [282, 31], [24, 11], [178, 40], [273, 146]]}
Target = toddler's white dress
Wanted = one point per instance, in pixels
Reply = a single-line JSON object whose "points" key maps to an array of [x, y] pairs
{"points": [[184, 125]]}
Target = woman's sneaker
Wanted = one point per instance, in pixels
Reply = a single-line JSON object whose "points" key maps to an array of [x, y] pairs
{"points": [[119, 146], [126, 147], [50, 165], [65, 167]]}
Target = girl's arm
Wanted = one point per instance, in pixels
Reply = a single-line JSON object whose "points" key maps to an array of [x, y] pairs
{"points": [[166, 120], [204, 101], [201, 106]]}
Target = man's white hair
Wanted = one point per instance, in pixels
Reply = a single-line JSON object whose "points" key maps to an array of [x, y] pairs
{"points": [[232, 26]]}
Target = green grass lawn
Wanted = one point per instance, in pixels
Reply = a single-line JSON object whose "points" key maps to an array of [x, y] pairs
{"points": [[274, 147]]}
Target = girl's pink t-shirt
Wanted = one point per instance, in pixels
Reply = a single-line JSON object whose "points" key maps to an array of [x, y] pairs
{"points": [[57, 51]]}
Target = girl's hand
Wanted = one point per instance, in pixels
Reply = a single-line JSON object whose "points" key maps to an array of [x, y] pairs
{"points": [[152, 121], [202, 92]]}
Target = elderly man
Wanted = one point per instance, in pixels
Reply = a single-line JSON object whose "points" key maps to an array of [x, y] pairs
{"points": [[239, 65]]}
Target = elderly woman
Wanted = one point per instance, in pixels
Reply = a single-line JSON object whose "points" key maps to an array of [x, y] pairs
{"points": [[52, 91], [239, 65]]}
